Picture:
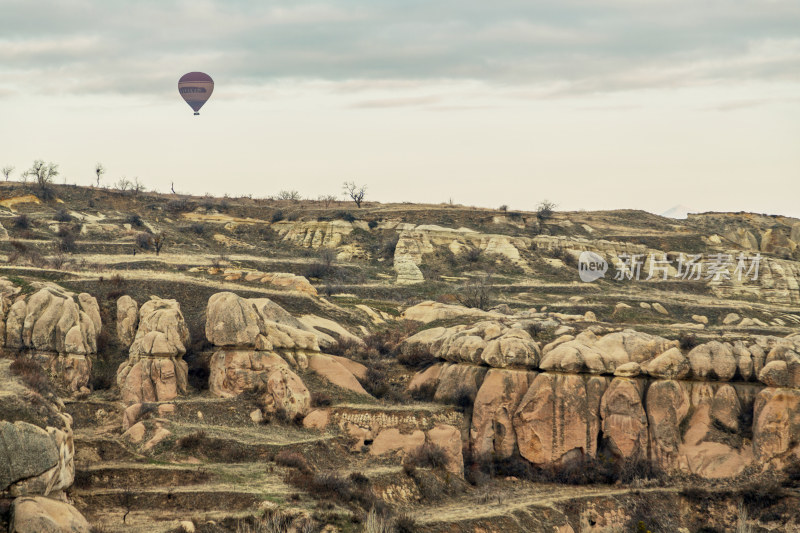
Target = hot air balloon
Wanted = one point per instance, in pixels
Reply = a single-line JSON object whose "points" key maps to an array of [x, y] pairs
{"points": [[196, 89]]}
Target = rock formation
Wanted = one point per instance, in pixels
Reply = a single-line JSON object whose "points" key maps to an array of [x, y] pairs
{"points": [[60, 329], [155, 370]]}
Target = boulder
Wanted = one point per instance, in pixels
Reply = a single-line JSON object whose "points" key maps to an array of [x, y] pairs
{"points": [[775, 374], [391, 440], [713, 360], [669, 365], [628, 370], [127, 320], [286, 395], [731, 318], [492, 432], [486, 342], [26, 451], [458, 382], [429, 311], [558, 418], [46, 515], [660, 309]]}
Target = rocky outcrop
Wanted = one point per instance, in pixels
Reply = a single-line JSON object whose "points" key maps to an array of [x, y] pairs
{"points": [[314, 234], [127, 320], [487, 342], [602, 355], [624, 421], [558, 418], [259, 346], [155, 370], [428, 311], [61, 329], [492, 432], [37, 457]]}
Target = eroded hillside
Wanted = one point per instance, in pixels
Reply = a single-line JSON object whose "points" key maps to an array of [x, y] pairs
{"points": [[177, 363]]}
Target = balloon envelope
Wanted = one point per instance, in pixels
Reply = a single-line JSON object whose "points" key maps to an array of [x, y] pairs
{"points": [[196, 88]]}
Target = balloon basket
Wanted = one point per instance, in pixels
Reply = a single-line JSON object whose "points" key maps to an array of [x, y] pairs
{"points": [[196, 113]]}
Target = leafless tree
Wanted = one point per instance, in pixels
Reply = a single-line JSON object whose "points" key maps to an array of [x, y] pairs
{"points": [[7, 170], [136, 186], [43, 175], [545, 210], [123, 184], [99, 169], [326, 199], [294, 196], [158, 242], [355, 192], [476, 293]]}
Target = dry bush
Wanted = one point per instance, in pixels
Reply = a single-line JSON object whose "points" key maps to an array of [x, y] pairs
{"points": [[191, 441], [62, 215], [32, 374], [476, 293], [424, 393], [21, 222], [292, 459], [320, 399], [428, 455], [416, 357], [144, 240]]}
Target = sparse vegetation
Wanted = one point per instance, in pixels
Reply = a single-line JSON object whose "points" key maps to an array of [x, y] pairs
{"points": [[355, 192]]}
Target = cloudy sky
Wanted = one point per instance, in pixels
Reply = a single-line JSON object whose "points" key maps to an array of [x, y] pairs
{"points": [[593, 104]]}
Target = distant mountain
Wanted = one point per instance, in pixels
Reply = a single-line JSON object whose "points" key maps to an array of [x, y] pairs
{"points": [[678, 211]]}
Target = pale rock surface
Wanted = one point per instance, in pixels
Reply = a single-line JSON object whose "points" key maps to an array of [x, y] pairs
{"points": [[429, 311], [455, 380], [713, 360], [332, 370], [671, 364], [286, 394], [155, 370], [45, 515]]}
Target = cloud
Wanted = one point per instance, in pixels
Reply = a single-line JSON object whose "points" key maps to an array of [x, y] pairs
{"points": [[547, 49]]}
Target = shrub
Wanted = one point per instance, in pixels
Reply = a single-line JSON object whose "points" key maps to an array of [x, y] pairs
{"points": [[32, 374], [21, 221], [545, 210], [62, 216], [476, 293], [376, 381], [372, 224], [405, 524], [424, 393], [320, 399], [292, 459], [688, 341], [197, 228], [277, 216], [503, 208], [135, 220], [191, 441], [463, 398], [416, 356], [344, 215], [67, 244], [323, 266], [144, 240], [473, 255], [428, 455]]}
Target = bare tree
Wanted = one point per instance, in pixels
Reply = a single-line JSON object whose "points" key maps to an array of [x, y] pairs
{"points": [[355, 192], [545, 210], [123, 184], [99, 169], [158, 242], [136, 186], [290, 195], [326, 199], [476, 293], [7, 170], [43, 175]]}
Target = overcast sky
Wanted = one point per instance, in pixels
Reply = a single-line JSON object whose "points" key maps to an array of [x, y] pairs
{"points": [[593, 104]]}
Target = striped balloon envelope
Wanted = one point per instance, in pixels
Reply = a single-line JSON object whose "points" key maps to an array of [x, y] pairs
{"points": [[196, 89]]}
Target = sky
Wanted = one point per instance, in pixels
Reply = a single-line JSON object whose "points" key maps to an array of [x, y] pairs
{"points": [[591, 104]]}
